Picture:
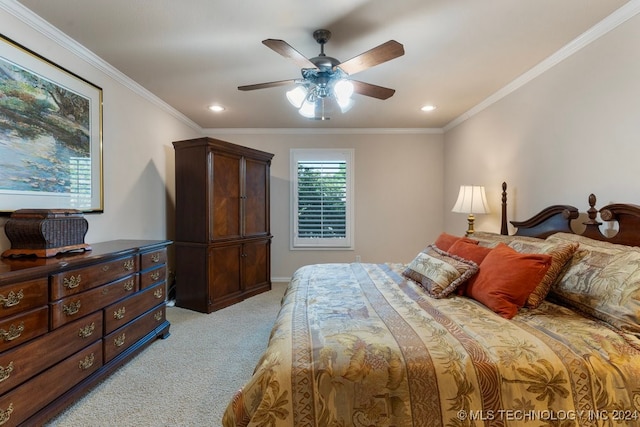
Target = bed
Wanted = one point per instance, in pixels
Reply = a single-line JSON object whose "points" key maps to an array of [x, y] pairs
{"points": [[431, 344]]}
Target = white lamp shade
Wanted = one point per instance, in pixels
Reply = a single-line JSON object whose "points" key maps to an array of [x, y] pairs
{"points": [[297, 95], [471, 200], [343, 89], [308, 109]]}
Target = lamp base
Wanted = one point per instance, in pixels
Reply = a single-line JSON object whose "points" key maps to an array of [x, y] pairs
{"points": [[470, 220]]}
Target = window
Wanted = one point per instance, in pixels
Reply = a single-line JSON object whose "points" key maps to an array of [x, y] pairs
{"points": [[80, 185], [322, 195]]}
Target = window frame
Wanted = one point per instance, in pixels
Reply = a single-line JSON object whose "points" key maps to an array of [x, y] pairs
{"points": [[322, 154]]}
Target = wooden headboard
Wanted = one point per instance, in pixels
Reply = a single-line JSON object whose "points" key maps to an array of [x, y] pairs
{"points": [[558, 218]]}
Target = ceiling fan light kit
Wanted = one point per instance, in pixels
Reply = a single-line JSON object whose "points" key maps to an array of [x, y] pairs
{"points": [[325, 85]]}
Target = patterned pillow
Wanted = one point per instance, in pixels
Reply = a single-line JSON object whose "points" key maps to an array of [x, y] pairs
{"points": [[438, 272], [560, 253], [603, 280], [491, 240]]}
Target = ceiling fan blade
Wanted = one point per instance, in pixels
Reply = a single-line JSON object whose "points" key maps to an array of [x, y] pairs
{"points": [[285, 49], [374, 91], [382, 53], [267, 85]]}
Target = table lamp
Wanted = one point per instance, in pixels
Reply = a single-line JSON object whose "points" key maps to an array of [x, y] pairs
{"points": [[471, 200]]}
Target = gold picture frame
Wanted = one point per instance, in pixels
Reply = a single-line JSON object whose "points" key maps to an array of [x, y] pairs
{"points": [[50, 135]]}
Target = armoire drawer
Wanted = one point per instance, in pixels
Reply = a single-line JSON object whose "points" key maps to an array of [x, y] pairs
{"points": [[25, 400], [22, 327], [153, 259], [75, 306], [21, 363], [23, 296], [121, 339], [122, 312], [74, 281]]}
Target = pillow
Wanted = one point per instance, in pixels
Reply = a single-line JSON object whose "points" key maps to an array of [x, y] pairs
{"points": [[491, 240], [445, 240], [602, 279], [472, 252], [560, 253], [506, 278], [469, 250], [438, 272]]}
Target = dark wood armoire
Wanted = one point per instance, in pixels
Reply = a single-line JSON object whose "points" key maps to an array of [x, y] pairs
{"points": [[223, 236]]}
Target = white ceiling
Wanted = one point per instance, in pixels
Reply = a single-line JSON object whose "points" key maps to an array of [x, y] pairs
{"points": [[193, 53]]}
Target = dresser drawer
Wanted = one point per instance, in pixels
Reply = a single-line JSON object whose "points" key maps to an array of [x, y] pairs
{"points": [[75, 281], [151, 277], [153, 259], [22, 327], [23, 296], [21, 363], [76, 306], [121, 339], [122, 312], [33, 395]]}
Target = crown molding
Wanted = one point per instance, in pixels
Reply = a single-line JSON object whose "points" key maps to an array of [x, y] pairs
{"points": [[320, 131], [621, 15], [34, 21]]}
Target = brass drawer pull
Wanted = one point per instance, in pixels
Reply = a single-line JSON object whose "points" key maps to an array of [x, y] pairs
{"points": [[155, 275], [72, 282], [158, 293], [87, 362], [119, 313], [13, 332], [128, 285], [128, 265], [6, 372], [105, 268], [5, 414], [158, 316], [72, 308], [12, 299], [119, 341], [155, 257], [87, 331]]}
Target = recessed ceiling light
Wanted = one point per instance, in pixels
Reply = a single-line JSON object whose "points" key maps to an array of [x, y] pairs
{"points": [[428, 108], [216, 108]]}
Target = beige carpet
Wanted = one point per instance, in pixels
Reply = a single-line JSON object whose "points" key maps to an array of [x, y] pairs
{"points": [[187, 379]]}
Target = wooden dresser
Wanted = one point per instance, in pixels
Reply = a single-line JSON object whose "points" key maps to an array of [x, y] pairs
{"points": [[69, 321], [223, 237]]}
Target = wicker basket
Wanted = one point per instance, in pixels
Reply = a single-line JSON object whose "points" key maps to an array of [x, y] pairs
{"points": [[46, 232]]}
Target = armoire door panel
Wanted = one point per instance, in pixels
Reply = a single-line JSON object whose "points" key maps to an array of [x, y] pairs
{"points": [[226, 196], [224, 271], [256, 216], [256, 264]]}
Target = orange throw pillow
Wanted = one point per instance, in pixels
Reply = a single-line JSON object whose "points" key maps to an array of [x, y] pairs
{"points": [[472, 252], [445, 240], [465, 248], [506, 278]]}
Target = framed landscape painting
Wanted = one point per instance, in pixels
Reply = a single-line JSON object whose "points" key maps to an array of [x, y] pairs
{"points": [[50, 135]]}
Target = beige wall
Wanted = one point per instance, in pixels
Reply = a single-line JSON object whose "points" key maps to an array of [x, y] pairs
{"points": [[398, 193], [138, 156], [572, 131]]}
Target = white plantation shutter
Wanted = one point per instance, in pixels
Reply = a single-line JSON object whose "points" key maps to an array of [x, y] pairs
{"points": [[80, 182], [321, 194]]}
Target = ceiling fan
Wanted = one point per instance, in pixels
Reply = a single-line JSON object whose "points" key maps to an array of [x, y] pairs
{"points": [[325, 81]]}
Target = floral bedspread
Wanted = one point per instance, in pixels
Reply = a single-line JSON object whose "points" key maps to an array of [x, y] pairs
{"points": [[358, 345]]}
